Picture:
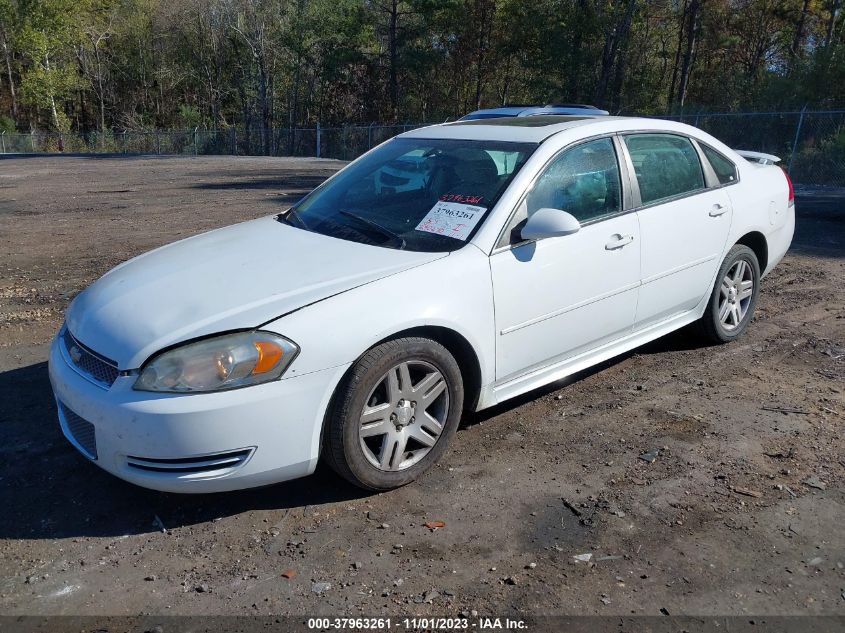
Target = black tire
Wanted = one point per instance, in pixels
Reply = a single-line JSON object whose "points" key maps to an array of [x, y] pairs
{"points": [[710, 325], [342, 449]]}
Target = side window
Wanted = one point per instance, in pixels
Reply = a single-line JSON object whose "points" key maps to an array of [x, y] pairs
{"points": [[582, 180], [725, 169], [666, 165]]}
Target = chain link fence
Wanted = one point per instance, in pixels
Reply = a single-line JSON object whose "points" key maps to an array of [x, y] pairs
{"points": [[344, 143], [810, 143]]}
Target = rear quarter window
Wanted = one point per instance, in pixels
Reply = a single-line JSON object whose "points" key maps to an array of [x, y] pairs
{"points": [[724, 168]]}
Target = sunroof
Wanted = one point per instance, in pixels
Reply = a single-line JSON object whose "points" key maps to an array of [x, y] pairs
{"points": [[525, 121]]}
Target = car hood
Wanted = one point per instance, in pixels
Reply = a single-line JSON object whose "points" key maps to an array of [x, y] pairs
{"points": [[232, 278]]}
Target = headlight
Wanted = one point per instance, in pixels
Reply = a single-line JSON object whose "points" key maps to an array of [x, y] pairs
{"points": [[223, 362]]}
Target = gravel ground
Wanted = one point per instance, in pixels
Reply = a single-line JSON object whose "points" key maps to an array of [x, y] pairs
{"points": [[547, 504]]}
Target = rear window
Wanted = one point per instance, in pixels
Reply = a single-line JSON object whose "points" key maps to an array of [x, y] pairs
{"points": [[725, 169], [666, 166]]}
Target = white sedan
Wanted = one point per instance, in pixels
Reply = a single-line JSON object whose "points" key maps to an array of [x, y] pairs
{"points": [[360, 324]]}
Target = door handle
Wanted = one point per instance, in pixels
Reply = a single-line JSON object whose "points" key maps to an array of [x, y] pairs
{"points": [[618, 241], [717, 210]]}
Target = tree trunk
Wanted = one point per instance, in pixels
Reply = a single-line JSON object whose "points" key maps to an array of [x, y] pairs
{"points": [[670, 102], [692, 27], [574, 76], [831, 22], [53, 110], [264, 103], [606, 63], [506, 80], [617, 34], [271, 110], [798, 40], [619, 74], [293, 100], [100, 91], [8, 58], [393, 57], [664, 66], [484, 16]]}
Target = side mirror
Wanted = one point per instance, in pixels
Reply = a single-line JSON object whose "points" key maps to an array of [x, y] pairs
{"points": [[549, 223]]}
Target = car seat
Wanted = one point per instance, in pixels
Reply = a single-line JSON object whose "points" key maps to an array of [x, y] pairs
{"points": [[466, 172]]}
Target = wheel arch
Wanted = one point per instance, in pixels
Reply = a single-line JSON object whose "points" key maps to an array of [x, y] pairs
{"points": [[756, 241], [458, 346]]}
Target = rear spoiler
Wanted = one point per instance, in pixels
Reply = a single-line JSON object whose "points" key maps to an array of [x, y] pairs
{"points": [[758, 157]]}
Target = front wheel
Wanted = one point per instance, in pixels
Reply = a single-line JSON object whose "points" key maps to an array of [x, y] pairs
{"points": [[394, 414], [734, 296]]}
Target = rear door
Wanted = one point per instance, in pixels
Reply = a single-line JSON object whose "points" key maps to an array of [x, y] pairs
{"points": [[683, 223]]}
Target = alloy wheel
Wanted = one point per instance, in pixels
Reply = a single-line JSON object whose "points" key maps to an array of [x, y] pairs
{"points": [[404, 415], [737, 291]]}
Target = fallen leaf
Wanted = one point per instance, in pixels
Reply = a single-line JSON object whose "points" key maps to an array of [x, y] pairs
{"points": [[288, 573], [434, 525]]}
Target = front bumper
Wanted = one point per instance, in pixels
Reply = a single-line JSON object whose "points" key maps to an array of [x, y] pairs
{"points": [[194, 442]]}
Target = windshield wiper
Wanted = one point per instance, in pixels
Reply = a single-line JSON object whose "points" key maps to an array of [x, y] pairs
{"points": [[375, 225]]}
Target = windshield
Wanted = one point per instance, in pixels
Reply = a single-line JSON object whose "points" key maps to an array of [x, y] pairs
{"points": [[416, 194]]}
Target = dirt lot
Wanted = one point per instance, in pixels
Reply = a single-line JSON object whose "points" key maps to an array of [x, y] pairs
{"points": [[741, 512]]}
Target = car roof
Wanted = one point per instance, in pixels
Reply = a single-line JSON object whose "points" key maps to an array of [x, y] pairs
{"points": [[538, 129], [533, 129]]}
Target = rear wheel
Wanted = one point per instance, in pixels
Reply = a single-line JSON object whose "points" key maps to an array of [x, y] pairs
{"points": [[734, 296], [395, 413]]}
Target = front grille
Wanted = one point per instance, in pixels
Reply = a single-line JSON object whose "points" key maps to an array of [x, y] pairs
{"points": [[80, 431], [186, 465], [100, 369]]}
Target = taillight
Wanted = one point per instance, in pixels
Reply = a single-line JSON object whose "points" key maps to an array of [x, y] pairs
{"points": [[791, 189]]}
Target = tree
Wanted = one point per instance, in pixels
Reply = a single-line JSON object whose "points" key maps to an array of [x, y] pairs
{"points": [[615, 42], [264, 64], [7, 28], [45, 42]]}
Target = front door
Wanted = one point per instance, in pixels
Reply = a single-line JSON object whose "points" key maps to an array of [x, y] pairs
{"points": [[558, 297]]}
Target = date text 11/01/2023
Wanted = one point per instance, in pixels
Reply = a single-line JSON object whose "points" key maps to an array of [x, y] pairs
{"points": [[416, 624]]}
